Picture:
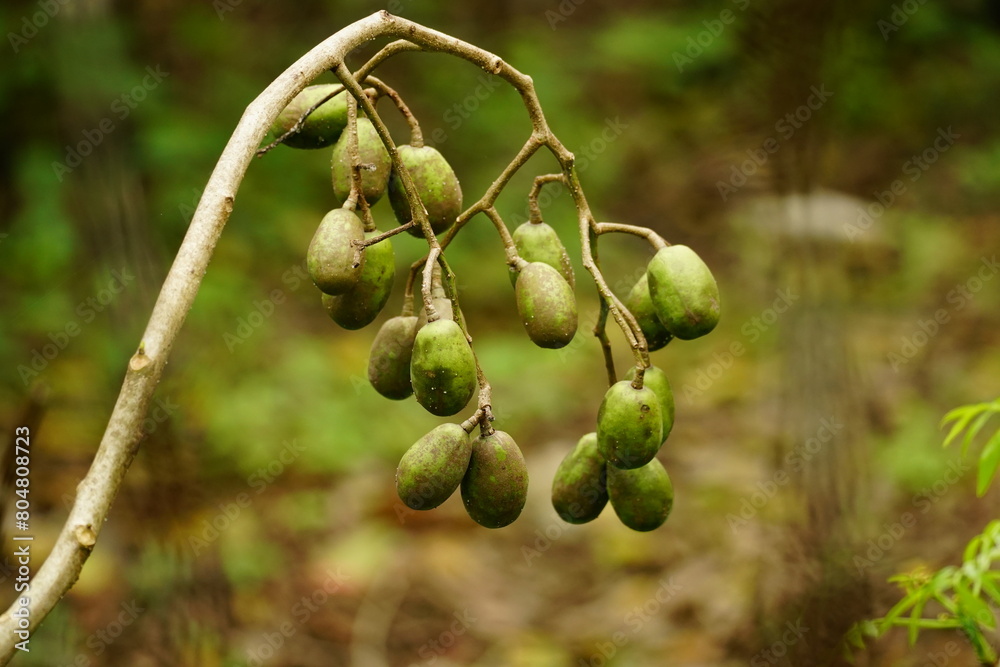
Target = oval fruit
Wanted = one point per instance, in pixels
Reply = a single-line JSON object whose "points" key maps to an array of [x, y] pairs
{"points": [[546, 305], [389, 361], [579, 490], [433, 467], [656, 379], [322, 127], [436, 184], [683, 291], [629, 425], [330, 258], [443, 368], [374, 161], [359, 306], [642, 498], [640, 304], [495, 486], [538, 242]]}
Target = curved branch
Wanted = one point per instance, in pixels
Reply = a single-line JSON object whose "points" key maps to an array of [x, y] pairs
{"points": [[98, 489], [416, 136]]}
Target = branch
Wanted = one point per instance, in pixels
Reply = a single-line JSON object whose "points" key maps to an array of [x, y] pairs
{"points": [[654, 239], [534, 211], [416, 136], [98, 489]]}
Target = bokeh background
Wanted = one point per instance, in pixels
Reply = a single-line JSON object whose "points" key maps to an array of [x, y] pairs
{"points": [[835, 163]]}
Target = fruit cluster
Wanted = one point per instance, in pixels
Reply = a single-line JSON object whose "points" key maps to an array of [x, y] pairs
{"points": [[429, 355]]}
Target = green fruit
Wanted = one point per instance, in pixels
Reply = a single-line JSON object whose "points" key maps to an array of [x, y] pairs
{"points": [[495, 486], [640, 304], [359, 306], [443, 368], [546, 305], [436, 184], [322, 127], [433, 467], [642, 498], [629, 425], [578, 488], [330, 259], [374, 162], [656, 379], [683, 292], [389, 361], [538, 242]]}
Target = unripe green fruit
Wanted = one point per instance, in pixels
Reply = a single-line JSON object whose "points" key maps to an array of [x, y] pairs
{"points": [[656, 379], [436, 184], [683, 291], [642, 498], [443, 368], [375, 164], [433, 467], [389, 361], [322, 127], [629, 425], [359, 306], [546, 305], [538, 242], [330, 259], [579, 491], [640, 304], [495, 486]]}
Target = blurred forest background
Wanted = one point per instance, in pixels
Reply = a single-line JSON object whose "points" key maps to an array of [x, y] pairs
{"points": [[836, 165]]}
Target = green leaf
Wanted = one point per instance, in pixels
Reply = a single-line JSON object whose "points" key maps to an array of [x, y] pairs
{"points": [[990, 586], [974, 430], [974, 607], [854, 637], [989, 461], [972, 548], [963, 415]]}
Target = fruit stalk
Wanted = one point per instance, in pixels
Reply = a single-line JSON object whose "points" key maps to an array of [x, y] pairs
{"points": [[534, 211]]}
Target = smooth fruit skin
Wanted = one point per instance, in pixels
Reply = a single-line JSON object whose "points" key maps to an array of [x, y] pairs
{"points": [[359, 306], [538, 242], [389, 361], [684, 292], [656, 379], [436, 184], [640, 304], [547, 306], [433, 467], [443, 368], [495, 486], [629, 425], [642, 498], [330, 258], [579, 490], [374, 159], [323, 126]]}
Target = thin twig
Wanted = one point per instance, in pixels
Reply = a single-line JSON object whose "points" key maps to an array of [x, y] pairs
{"points": [[654, 239], [514, 260], [534, 212], [416, 136]]}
